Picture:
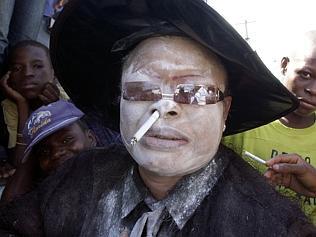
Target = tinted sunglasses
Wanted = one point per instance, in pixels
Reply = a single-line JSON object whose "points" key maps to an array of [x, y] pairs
{"points": [[184, 93]]}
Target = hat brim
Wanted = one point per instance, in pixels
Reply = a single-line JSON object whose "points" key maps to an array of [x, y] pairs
{"points": [[86, 31], [53, 128]]}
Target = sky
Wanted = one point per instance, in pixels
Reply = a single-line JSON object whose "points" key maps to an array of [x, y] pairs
{"points": [[271, 23]]}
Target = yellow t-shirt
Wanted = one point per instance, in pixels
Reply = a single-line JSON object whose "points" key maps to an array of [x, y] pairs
{"points": [[10, 114], [273, 139]]}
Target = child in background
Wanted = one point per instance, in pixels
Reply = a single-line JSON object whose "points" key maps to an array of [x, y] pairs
{"points": [[296, 131], [53, 134], [28, 84]]}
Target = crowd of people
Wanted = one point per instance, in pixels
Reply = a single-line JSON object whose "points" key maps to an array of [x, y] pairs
{"points": [[95, 162], [20, 22]]}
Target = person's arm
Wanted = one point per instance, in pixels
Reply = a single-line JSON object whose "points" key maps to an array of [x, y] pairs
{"points": [[22, 181], [23, 113], [59, 4], [291, 171]]}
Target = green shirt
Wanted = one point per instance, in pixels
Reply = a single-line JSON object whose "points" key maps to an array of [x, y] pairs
{"points": [[273, 139]]}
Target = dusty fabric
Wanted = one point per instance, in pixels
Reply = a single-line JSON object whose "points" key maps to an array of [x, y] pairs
{"points": [[122, 203], [240, 204]]}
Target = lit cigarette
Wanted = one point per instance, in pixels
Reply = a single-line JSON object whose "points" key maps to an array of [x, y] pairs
{"points": [[256, 158], [144, 128]]}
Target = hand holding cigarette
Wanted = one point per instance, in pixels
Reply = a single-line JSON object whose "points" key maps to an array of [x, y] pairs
{"points": [[293, 172]]}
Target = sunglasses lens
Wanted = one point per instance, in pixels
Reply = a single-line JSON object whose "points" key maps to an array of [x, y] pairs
{"points": [[196, 94], [141, 91], [184, 93]]}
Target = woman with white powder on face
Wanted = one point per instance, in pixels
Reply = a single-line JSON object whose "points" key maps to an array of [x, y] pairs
{"points": [[175, 179]]}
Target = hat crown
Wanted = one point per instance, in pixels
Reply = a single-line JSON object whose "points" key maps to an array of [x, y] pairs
{"points": [[38, 120], [101, 32], [49, 119]]}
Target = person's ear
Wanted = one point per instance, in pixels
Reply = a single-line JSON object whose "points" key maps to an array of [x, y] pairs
{"points": [[91, 137], [284, 63], [227, 102]]}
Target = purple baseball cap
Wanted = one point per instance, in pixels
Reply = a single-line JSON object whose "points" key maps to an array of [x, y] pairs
{"points": [[47, 120]]}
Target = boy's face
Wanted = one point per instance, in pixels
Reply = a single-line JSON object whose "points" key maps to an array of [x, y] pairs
{"points": [[30, 71], [185, 137], [62, 145], [301, 78]]}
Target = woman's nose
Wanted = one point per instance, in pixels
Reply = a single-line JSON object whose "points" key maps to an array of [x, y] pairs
{"points": [[168, 109]]}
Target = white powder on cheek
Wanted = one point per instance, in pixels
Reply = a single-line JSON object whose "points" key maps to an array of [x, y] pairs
{"points": [[206, 134], [129, 116]]}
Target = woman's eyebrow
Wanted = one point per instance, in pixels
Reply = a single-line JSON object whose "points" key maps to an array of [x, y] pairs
{"points": [[186, 76]]}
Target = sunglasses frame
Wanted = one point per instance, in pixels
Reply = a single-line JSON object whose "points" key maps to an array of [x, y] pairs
{"points": [[195, 99]]}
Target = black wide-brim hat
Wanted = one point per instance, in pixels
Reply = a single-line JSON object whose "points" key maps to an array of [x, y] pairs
{"points": [[91, 37]]}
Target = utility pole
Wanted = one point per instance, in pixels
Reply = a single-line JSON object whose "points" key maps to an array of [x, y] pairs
{"points": [[245, 23]]}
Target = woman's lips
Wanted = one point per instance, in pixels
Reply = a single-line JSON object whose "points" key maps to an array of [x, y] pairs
{"points": [[164, 139]]}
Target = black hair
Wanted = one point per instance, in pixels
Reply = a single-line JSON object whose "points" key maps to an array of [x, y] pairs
{"points": [[22, 44]]}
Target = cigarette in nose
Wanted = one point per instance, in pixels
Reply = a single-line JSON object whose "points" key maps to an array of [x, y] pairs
{"points": [[144, 128], [256, 158]]}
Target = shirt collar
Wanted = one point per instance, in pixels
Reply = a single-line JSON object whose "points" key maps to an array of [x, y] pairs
{"points": [[192, 189], [184, 199], [134, 192]]}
